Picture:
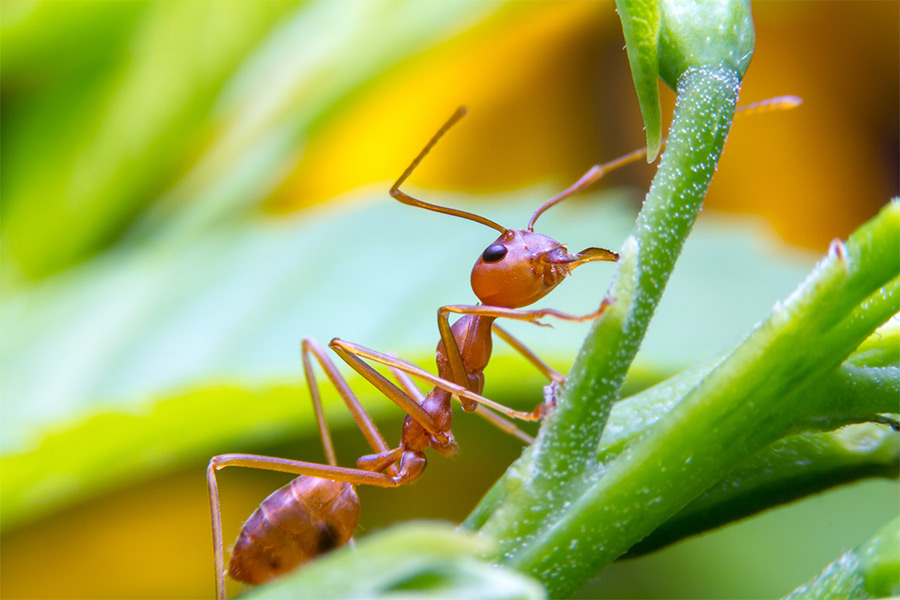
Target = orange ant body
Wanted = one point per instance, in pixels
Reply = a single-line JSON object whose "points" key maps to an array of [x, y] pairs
{"points": [[319, 510]]}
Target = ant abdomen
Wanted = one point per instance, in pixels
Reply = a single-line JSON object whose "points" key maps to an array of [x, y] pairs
{"points": [[296, 523]]}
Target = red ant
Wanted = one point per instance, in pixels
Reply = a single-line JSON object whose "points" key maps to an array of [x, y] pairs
{"points": [[319, 510]]}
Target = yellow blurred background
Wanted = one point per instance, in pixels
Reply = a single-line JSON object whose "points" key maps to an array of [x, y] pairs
{"points": [[550, 94]]}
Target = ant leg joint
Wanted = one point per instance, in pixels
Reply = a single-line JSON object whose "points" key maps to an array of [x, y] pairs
{"points": [[307, 342], [335, 342], [412, 465]]}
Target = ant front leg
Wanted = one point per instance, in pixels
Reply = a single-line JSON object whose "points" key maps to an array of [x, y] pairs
{"points": [[532, 316], [349, 354], [557, 379]]}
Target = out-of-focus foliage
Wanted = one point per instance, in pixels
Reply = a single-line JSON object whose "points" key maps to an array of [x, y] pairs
{"points": [[154, 290], [869, 571], [131, 404], [442, 565]]}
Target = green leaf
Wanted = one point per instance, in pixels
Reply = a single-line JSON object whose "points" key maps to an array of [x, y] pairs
{"points": [[641, 25], [870, 571], [879, 561], [108, 164], [414, 560], [174, 124]]}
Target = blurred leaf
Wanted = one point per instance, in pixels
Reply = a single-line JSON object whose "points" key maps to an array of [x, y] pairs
{"points": [[38, 39], [177, 91], [414, 560], [202, 336], [115, 132], [870, 571]]}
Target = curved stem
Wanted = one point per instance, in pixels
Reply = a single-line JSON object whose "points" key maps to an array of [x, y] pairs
{"points": [[562, 460]]}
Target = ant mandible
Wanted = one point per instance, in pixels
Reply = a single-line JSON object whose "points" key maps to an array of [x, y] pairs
{"points": [[318, 510]]}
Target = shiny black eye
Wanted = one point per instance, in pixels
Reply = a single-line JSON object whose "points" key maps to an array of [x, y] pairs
{"points": [[493, 253]]}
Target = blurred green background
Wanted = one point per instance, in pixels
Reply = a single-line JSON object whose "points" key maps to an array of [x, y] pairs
{"points": [[189, 188]]}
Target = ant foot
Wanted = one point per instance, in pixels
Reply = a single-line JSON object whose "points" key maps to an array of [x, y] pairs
{"points": [[551, 394]]}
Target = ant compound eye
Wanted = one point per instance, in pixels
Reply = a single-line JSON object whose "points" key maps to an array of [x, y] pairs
{"points": [[494, 253]]}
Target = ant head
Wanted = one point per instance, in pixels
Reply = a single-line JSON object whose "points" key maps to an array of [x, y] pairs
{"points": [[522, 266]]}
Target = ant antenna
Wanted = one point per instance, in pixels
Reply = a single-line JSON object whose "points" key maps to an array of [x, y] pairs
{"points": [[598, 171], [593, 174], [397, 194]]}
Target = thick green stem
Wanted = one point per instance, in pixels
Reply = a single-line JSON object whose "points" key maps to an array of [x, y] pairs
{"points": [[789, 469], [707, 99], [754, 396], [563, 458]]}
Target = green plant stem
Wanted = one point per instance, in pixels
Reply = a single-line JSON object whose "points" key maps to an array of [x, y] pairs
{"points": [[707, 99], [867, 384], [789, 469], [562, 460], [753, 397]]}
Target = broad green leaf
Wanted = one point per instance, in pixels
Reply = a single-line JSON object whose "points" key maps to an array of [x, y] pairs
{"points": [[415, 560], [204, 336]]}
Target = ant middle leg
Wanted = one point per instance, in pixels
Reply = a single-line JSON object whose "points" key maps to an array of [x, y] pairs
{"points": [[484, 412], [382, 473], [310, 347], [354, 353]]}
